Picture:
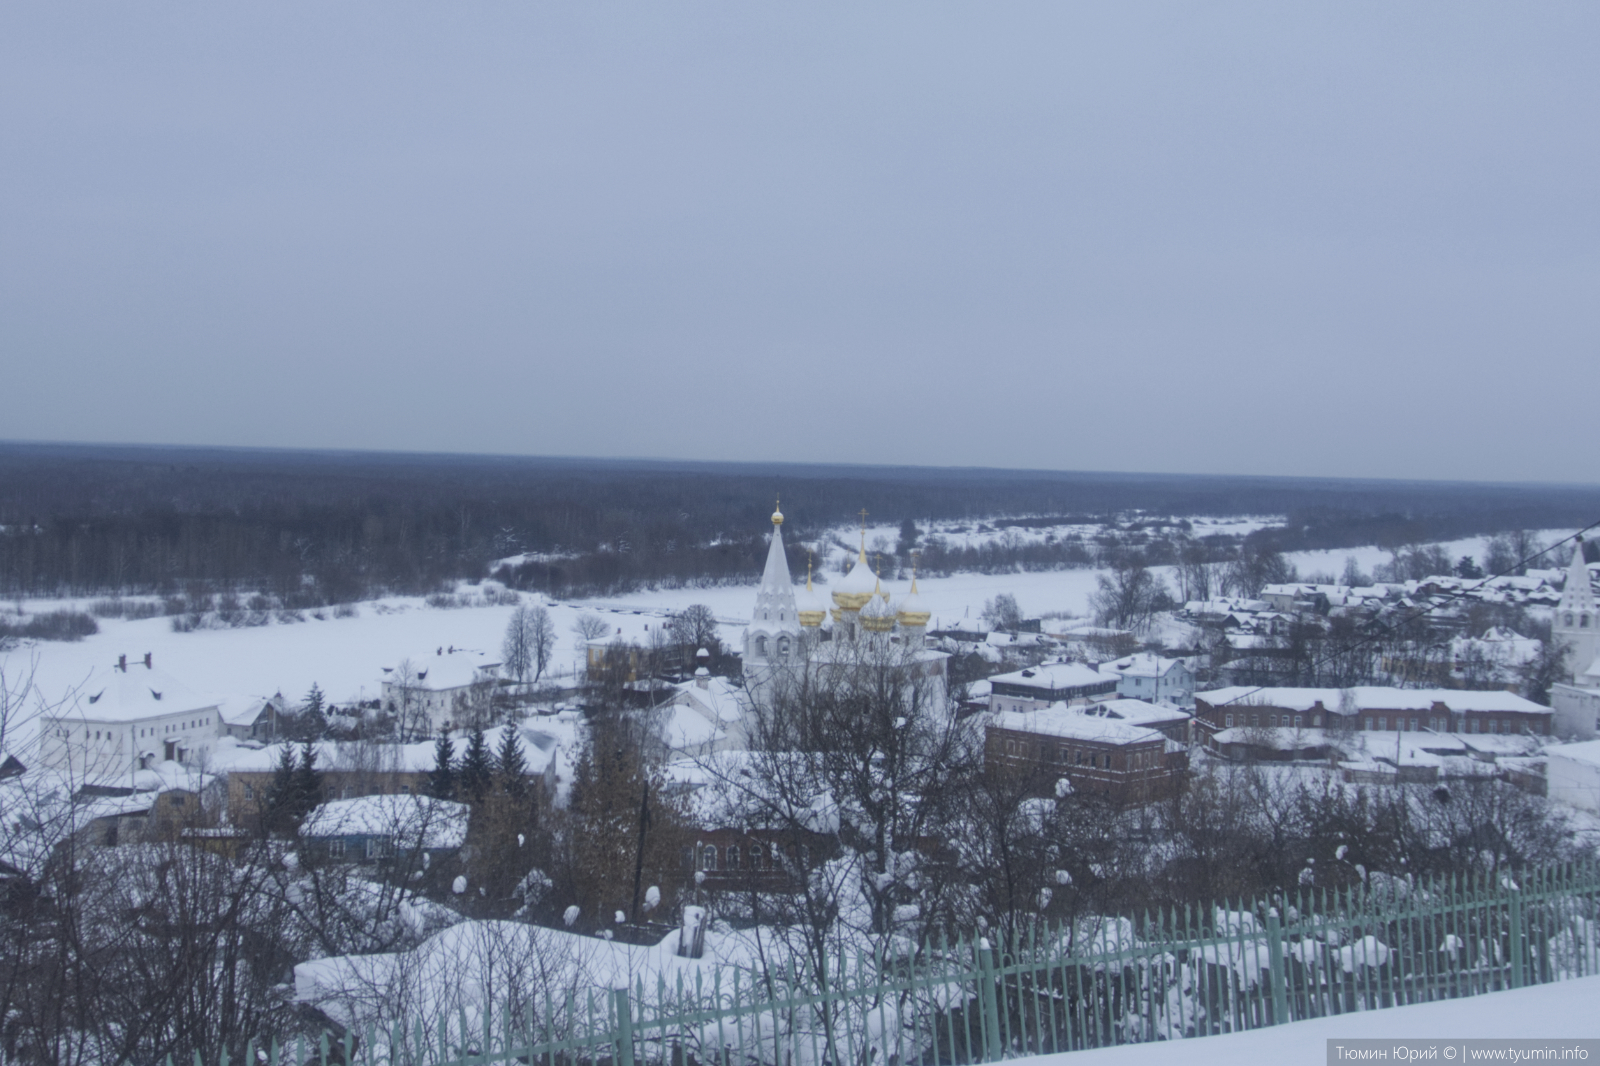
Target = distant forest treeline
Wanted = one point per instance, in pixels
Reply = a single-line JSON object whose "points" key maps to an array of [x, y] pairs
{"points": [[314, 528]]}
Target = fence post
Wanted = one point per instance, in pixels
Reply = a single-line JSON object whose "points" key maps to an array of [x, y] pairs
{"points": [[624, 1028], [1517, 948], [993, 1051], [1275, 969]]}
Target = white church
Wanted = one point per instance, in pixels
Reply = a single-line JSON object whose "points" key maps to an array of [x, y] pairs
{"points": [[1576, 625], [789, 634]]}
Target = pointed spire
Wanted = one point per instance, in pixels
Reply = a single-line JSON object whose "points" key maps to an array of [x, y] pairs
{"points": [[1578, 594], [812, 609], [776, 574]]}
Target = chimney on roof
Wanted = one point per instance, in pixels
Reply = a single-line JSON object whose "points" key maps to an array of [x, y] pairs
{"points": [[147, 660], [122, 663]]}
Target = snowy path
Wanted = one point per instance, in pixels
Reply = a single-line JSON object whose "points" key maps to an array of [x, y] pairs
{"points": [[1565, 1010]]}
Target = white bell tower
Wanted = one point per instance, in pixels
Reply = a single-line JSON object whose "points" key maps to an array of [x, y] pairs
{"points": [[1576, 622], [772, 639]]}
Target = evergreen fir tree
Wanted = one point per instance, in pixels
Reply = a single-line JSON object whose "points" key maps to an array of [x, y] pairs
{"points": [[306, 788], [477, 769], [313, 723], [442, 778], [277, 806], [511, 764]]}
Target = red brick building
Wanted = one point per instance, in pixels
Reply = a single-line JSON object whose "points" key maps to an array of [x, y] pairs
{"points": [[1129, 763], [1371, 708]]}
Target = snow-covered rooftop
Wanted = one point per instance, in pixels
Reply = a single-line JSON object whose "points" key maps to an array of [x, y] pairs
{"points": [[1369, 698], [541, 738], [112, 694], [415, 821], [1060, 720], [1144, 664], [443, 668], [1586, 752], [1137, 712], [1055, 676]]}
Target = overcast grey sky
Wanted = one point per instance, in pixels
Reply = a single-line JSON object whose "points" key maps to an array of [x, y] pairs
{"points": [[1281, 238]]}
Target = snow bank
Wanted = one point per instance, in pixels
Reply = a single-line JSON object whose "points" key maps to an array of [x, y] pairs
{"points": [[1557, 1011]]}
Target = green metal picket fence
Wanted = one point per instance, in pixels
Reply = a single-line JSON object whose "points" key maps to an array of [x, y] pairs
{"points": [[1177, 974]]}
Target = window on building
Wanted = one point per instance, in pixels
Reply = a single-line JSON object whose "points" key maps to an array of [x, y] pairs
{"points": [[708, 858], [249, 792], [1297, 721], [733, 857], [336, 848], [1472, 725], [757, 856], [378, 848], [686, 858], [1227, 721]]}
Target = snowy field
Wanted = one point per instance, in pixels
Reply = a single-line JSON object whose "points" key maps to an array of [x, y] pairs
{"points": [[1367, 558], [346, 656], [1562, 1011]]}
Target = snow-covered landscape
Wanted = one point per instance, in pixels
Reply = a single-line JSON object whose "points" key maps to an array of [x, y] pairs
{"points": [[815, 534]]}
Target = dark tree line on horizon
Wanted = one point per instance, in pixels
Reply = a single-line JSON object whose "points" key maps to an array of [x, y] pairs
{"points": [[315, 528]]}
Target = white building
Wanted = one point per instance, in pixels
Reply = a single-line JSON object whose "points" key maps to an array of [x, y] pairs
{"points": [[1573, 774], [1577, 708], [1037, 687], [1147, 676], [1576, 621], [703, 715], [128, 717], [438, 691]]}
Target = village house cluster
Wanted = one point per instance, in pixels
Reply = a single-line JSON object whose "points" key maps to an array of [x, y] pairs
{"points": [[149, 751]]}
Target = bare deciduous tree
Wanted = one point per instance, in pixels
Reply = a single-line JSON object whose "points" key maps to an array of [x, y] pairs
{"points": [[589, 627], [1130, 595], [516, 651]]}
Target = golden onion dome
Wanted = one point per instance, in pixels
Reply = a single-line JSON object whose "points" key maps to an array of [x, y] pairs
{"points": [[912, 611], [857, 587], [877, 616]]}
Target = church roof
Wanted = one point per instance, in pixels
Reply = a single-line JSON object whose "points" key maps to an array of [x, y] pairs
{"points": [[856, 588], [775, 605], [1578, 595], [813, 608], [912, 611]]}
